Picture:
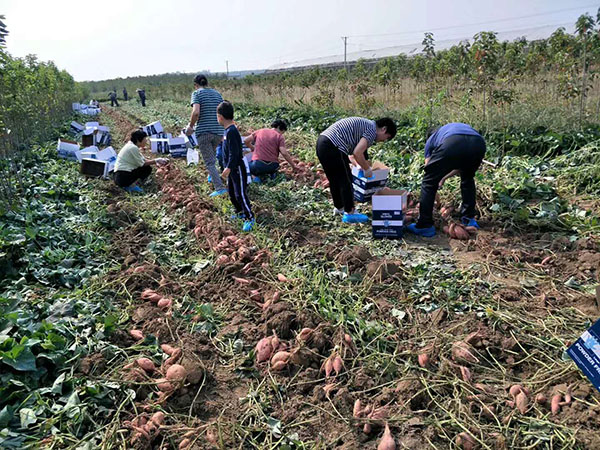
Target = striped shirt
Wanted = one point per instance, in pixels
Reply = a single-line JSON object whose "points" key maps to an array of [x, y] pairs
{"points": [[346, 133], [208, 99]]}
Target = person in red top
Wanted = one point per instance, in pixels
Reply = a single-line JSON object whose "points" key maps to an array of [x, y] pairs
{"points": [[267, 144]]}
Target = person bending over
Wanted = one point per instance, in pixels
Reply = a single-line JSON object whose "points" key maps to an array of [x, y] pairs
{"points": [[350, 137], [454, 149], [235, 169], [267, 144], [131, 167]]}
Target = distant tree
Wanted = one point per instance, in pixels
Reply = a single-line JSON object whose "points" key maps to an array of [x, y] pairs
{"points": [[584, 27]]}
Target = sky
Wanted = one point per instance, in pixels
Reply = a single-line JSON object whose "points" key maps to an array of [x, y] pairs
{"points": [[109, 38]]}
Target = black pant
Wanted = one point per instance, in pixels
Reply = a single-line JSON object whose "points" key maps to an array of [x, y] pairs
{"points": [[337, 168], [143, 99], [125, 96], [125, 179], [459, 152], [237, 184], [114, 102]]}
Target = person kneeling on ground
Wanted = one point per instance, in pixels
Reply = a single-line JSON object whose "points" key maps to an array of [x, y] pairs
{"points": [[350, 137], [235, 169], [131, 166], [266, 144], [454, 149]]}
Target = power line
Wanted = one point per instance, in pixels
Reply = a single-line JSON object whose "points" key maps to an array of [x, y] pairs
{"points": [[474, 24]]}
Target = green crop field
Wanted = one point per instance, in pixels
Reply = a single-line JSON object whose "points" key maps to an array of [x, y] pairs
{"points": [[449, 343]]}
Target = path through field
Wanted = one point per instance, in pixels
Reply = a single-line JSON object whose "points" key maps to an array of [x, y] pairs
{"points": [[429, 335]]}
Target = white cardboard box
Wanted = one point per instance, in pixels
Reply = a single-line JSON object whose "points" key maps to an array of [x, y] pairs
{"points": [[388, 213], [364, 188], [192, 141], [153, 128], [159, 145], [178, 147], [92, 124], [68, 149], [76, 128]]}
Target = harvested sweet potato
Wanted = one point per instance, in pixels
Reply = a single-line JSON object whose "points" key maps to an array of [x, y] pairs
{"points": [[280, 356], [460, 233], [146, 364], [176, 373], [263, 350], [522, 402], [168, 349], [465, 441], [540, 399], [185, 444], [164, 385], [423, 359], [222, 260], [462, 352], [555, 404], [241, 280], [465, 373], [387, 441], [165, 303], [304, 334], [278, 366], [281, 277], [136, 334], [357, 410], [338, 364]]}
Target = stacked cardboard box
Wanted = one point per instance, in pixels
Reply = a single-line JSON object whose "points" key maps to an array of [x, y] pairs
{"points": [[388, 213], [364, 188]]}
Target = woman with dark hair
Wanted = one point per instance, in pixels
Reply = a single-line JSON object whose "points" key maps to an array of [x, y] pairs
{"points": [[131, 166], [350, 137], [203, 122], [267, 144]]}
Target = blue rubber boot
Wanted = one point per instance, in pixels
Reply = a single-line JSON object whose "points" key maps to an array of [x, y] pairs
{"points": [[354, 218], [469, 222], [132, 189], [217, 193], [424, 232], [248, 225], [209, 179], [256, 180]]}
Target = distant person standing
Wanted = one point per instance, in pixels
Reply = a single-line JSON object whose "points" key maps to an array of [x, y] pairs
{"points": [[209, 132], [125, 96], [142, 94], [113, 98]]}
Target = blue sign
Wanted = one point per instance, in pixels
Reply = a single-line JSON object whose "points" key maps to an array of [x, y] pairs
{"points": [[586, 354]]}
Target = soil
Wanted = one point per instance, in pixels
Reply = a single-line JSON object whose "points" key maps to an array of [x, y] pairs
{"points": [[221, 392]]}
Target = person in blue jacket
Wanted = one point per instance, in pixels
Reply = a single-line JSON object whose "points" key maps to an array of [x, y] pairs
{"points": [[454, 149]]}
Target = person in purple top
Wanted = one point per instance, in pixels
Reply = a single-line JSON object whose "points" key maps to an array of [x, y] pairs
{"points": [[454, 149]]}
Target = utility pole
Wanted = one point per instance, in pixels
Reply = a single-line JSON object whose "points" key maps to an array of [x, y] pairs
{"points": [[345, 39], [227, 65]]}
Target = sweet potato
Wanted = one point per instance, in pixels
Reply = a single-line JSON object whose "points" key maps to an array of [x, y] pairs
{"points": [[451, 230], [555, 404], [387, 441], [146, 364], [280, 356], [471, 230], [423, 359], [328, 366], [304, 334], [281, 277], [164, 385], [514, 390], [367, 428], [357, 410], [176, 373], [461, 351], [465, 373], [522, 402], [446, 229], [241, 280], [348, 339], [264, 350], [546, 260], [540, 399], [165, 303], [136, 334], [460, 233], [465, 440], [276, 296], [158, 418], [338, 364], [279, 365], [168, 349], [184, 444], [222, 260]]}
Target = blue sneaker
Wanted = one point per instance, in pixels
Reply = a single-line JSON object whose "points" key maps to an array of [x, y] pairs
{"points": [[209, 179], [424, 232], [132, 189], [236, 216], [217, 193], [256, 180], [248, 225], [469, 222], [354, 218]]}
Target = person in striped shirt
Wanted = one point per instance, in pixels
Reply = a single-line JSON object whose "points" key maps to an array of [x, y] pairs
{"points": [[350, 137], [208, 130]]}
